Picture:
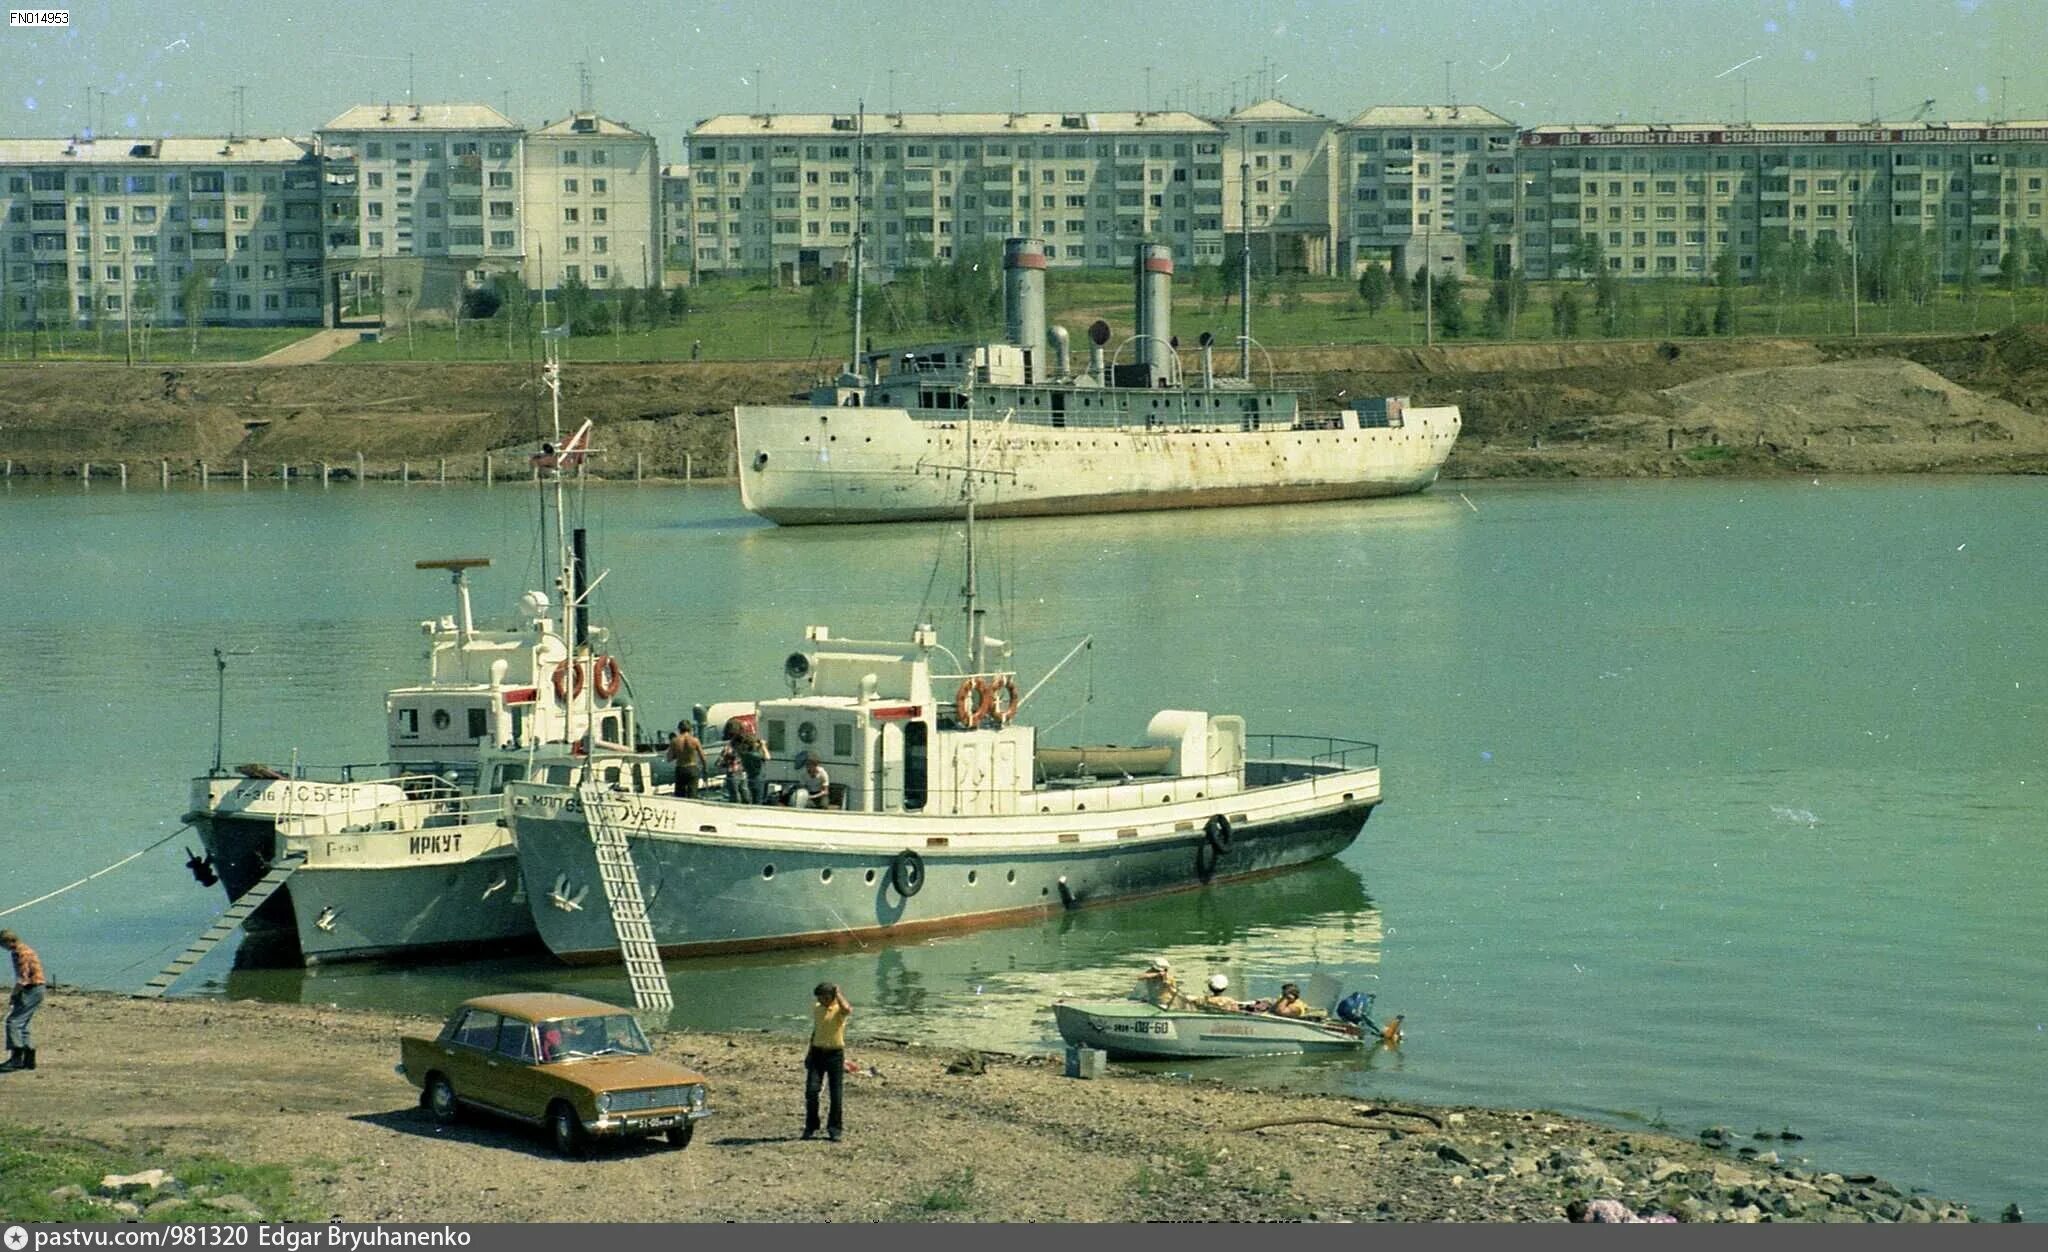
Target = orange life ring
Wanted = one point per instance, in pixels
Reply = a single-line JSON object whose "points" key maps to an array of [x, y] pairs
{"points": [[562, 672], [966, 702], [1006, 708], [605, 677]]}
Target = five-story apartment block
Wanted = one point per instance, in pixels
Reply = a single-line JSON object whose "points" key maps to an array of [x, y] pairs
{"points": [[99, 230]]}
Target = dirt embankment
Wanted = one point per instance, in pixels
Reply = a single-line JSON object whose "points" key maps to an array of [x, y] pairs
{"points": [[1956, 403], [1002, 1139]]}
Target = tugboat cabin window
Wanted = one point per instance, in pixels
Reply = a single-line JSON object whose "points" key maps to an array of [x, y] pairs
{"points": [[518, 725], [916, 764], [441, 719], [479, 723], [842, 740], [777, 735], [408, 721]]}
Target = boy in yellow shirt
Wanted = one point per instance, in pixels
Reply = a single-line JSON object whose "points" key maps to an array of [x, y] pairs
{"points": [[825, 1063]]}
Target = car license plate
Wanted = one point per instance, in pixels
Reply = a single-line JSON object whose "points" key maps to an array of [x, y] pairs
{"points": [[659, 1123]]}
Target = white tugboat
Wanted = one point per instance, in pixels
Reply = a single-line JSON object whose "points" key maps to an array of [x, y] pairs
{"points": [[411, 855], [942, 811]]}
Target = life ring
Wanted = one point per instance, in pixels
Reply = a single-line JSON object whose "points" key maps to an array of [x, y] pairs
{"points": [[605, 677], [1005, 708], [975, 702], [562, 672], [1217, 831], [906, 873]]}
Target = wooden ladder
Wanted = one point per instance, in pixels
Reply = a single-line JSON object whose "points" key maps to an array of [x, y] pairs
{"points": [[615, 868], [223, 926]]}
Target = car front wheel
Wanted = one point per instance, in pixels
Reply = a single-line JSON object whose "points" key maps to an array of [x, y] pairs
{"points": [[439, 1097], [567, 1130], [679, 1136]]}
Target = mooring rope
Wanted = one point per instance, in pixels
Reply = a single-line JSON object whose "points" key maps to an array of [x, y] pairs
{"points": [[95, 874]]}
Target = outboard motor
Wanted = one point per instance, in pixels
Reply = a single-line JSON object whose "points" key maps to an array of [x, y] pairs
{"points": [[1355, 1008]]}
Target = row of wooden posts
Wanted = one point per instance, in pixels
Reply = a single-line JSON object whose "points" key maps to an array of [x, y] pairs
{"points": [[206, 473]]}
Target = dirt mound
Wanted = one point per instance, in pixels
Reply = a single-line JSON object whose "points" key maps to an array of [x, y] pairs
{"points": [[1880, 400]]}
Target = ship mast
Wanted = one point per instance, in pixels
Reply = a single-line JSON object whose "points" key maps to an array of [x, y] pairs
{"points": [[968, 592]]}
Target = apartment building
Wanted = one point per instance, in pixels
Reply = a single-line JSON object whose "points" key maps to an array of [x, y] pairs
{"points": [[110, 228], [421, 200], [1286, 153], [776, 192], [1426, 180], [1668, 200], [592, 204]]}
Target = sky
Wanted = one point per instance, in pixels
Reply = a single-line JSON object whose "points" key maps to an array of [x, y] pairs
{"points": [[663, 65]]}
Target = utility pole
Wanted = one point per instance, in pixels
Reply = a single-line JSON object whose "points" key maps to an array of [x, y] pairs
{"points": [[1428, 292]]}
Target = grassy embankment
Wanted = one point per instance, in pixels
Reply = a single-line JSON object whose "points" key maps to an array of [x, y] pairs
{"points": [[735, 319]]}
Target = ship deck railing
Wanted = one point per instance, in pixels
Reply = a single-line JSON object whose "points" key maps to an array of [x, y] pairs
{"points": [[1178, 420], [418, 779], [1284, 758], [403, 816]]}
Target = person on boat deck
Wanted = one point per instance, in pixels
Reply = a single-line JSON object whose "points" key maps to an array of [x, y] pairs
{"points": [[1156, 984], [1216, 1001], [687, 751], [752, 756], [1290, 1003], [813, 786]]}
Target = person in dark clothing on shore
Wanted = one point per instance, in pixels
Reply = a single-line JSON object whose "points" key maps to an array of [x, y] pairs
{"points": [[29, 982], [825, 1063]]}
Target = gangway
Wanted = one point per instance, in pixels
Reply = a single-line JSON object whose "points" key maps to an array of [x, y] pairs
{"points": [[223, 926]]}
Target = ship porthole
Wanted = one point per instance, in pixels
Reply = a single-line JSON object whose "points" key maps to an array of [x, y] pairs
{"points": [[970, 877], [767, 871], [870, 877], [1045, 891], [760, 459], [1011, 876], [824, 875]]}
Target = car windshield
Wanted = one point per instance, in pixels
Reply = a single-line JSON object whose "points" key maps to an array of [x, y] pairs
{"points": [[605, 1034]]}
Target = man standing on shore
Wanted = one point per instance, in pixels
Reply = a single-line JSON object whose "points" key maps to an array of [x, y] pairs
{"points": [[825, 1063], [29, 982]]}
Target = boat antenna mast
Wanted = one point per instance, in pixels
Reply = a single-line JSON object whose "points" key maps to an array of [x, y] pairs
{"points": [[860, 190], [1244, 258], [969, 591]]}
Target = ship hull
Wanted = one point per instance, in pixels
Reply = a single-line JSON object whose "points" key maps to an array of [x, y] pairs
{"points": [[802, 465], [755, 889], [406, 912]]}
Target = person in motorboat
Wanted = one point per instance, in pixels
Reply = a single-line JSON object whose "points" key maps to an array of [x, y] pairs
{"points": [[1216, 1001], [1290, 1003], [1157, 986]]}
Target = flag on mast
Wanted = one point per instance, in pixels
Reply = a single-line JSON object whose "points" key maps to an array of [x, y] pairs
{"points": [[569, 455]]}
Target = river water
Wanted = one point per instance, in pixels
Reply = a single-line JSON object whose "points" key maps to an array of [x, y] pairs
{"points": [[1707, 803]]}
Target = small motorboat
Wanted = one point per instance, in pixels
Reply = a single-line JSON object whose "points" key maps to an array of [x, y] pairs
{"points": [[1137, 1030]]}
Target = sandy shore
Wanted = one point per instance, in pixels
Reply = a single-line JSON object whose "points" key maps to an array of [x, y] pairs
{"points": [[313, 1089]]}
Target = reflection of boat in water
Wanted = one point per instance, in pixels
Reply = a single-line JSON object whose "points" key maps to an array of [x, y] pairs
{"points": [[1133, 1029], [411, 856], [985, 988]]}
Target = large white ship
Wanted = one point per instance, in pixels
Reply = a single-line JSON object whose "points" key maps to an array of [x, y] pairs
{"points": [[886, 440]]}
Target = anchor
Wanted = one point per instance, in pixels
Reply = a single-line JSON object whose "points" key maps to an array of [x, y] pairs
{"points": [[494, 888], [202, 868], [325, 922]]}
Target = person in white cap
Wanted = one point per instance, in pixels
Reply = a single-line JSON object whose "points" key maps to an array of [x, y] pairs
{"points": [[1156, 984], [1216, 1001]]}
